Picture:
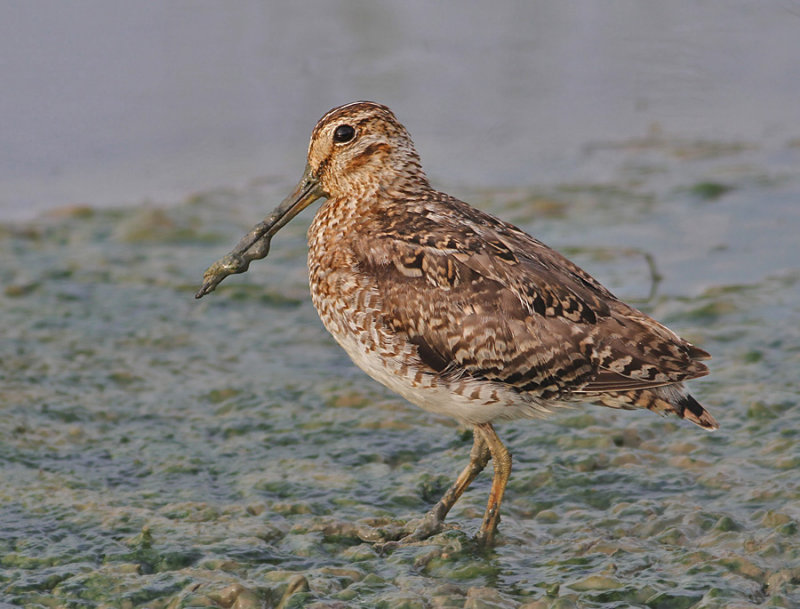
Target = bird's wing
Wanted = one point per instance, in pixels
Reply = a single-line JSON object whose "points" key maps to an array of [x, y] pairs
{"points": [[485, 299], [465, 320]]}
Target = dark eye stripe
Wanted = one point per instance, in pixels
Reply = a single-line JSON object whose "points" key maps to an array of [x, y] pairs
{"points": [[343, 134]]}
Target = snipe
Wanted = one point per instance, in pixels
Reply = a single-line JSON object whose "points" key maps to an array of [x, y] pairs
{"points": [[457, 311]]}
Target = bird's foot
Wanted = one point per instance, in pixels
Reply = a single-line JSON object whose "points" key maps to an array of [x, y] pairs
{"points": [[414, 532], [485, 538]]}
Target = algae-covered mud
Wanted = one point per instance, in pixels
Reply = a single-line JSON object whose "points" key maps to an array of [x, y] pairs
{"points": [[163, 452]]}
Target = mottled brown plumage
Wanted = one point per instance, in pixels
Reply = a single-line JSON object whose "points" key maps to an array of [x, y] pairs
{"points": [[459, 312]]}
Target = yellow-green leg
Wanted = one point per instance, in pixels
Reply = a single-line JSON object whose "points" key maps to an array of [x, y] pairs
{"points": [[432, 521], [501, 461]]}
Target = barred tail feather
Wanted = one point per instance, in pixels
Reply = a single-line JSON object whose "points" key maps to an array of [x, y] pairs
{"points": [[670, 399], [694, 412]]}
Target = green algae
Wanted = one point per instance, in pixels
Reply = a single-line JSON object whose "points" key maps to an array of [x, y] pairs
{"points": [[158, 452], [709, 191]]}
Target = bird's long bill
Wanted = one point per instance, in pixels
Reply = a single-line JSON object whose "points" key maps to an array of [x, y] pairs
{"points": [[304, 194], [255, 244]]}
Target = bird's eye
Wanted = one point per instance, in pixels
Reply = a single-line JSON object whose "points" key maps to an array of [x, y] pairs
{"points": [[343, 134]]}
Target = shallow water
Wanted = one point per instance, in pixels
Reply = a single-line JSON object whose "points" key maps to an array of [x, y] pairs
{"points": [[164, 452]]}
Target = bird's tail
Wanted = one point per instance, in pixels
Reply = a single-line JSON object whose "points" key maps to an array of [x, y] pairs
{"points": [[669, 399]]}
